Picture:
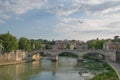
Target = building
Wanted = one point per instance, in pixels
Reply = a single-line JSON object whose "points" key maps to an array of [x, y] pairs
{"points": [[69, 44], [43, 46], [60, 44], [82, 46], [111, 45], [54, 47]]}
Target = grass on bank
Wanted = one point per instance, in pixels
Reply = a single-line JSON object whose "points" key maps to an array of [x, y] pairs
{"points": [[106, 71]]}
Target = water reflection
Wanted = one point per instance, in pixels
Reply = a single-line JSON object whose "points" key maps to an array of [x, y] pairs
{"points": [[64, 69]]}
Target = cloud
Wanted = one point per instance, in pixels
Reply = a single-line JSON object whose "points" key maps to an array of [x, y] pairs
{"points": [[99, 18], [77, 18], [22, 6], [88, 25], [90, 7], [1, 21], [104, 8], [90, 28], [4, 16], [18, 7], [66, 12]]}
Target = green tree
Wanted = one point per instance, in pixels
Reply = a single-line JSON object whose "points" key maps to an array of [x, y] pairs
{"points": [[47, 46], [116, 39], [24, 44], [9, 42], [0, 45], [68, 46], [52, 42], [91, 44], [96, 44], [35, 44]]}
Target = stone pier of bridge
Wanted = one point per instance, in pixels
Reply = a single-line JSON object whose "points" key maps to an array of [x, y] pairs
{"points": [[55, 58]]}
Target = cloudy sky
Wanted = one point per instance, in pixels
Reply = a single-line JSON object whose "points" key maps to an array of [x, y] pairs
{"points": [[60, 19]]}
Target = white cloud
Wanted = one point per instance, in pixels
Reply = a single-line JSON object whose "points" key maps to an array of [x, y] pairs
{"points": [[85, 26], [102, 15], [22, 6], [17, 7], [111, 10], [77, 17], [103, 8], [1, 21], [66, 12], [89, 28], [88, 7]]}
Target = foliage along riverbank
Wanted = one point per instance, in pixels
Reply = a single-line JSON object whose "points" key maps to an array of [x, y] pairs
{"points": [[103, 71]]}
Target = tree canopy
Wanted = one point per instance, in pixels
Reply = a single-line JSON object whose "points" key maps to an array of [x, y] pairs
{"points": [[35, 44], [9, 42], [24, 44], [96, 44]]}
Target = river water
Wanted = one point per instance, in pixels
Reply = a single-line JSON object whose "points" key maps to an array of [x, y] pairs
{"points": [[64, 69]]}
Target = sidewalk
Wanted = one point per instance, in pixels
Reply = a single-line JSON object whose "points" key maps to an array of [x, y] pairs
{"points": [[116, 67]]}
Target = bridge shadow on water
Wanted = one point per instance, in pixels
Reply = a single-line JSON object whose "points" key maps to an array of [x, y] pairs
{"points": [[68, 54]]}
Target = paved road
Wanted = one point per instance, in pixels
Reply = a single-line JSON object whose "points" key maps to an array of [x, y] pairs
{"points": [[116, 67]]}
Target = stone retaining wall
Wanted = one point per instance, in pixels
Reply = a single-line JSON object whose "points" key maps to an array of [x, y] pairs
{"points": [[118, 56], [17, 55]]}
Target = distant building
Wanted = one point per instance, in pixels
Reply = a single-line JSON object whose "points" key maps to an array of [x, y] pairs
{"points": [[42, 46], [82, 46], [72, 46], [60, 44], [54, 47], [69, 44], [111, 46]]}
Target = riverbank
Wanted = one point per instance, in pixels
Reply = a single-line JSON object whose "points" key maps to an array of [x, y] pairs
{"points": [[116, 67], [110, 74], [101, 69], [11, 63]]}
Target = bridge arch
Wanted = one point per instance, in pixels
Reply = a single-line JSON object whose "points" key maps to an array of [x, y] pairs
{"points": [[80, 53], [68, 54], [98, 55]]}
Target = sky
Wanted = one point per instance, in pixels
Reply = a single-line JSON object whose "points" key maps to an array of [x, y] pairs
{"points": [[60, 19]]}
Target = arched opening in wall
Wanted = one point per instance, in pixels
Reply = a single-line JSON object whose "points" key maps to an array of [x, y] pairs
{"points": [[42, 54], [94, 55], [29, 56], [68, 54]]}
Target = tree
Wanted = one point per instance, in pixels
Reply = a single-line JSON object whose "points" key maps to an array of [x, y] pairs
{"points": [[35, 44], [116, 39], [52, 42], [96, 44], [0, 45], [24, 44], [68, 46], [9, 42], [47, 46]]}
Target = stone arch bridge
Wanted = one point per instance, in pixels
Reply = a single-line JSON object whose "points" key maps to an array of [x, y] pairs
{"points": [[35, 54]]}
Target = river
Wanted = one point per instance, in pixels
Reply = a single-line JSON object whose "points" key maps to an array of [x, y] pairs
{"points": [[64, 69]]}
